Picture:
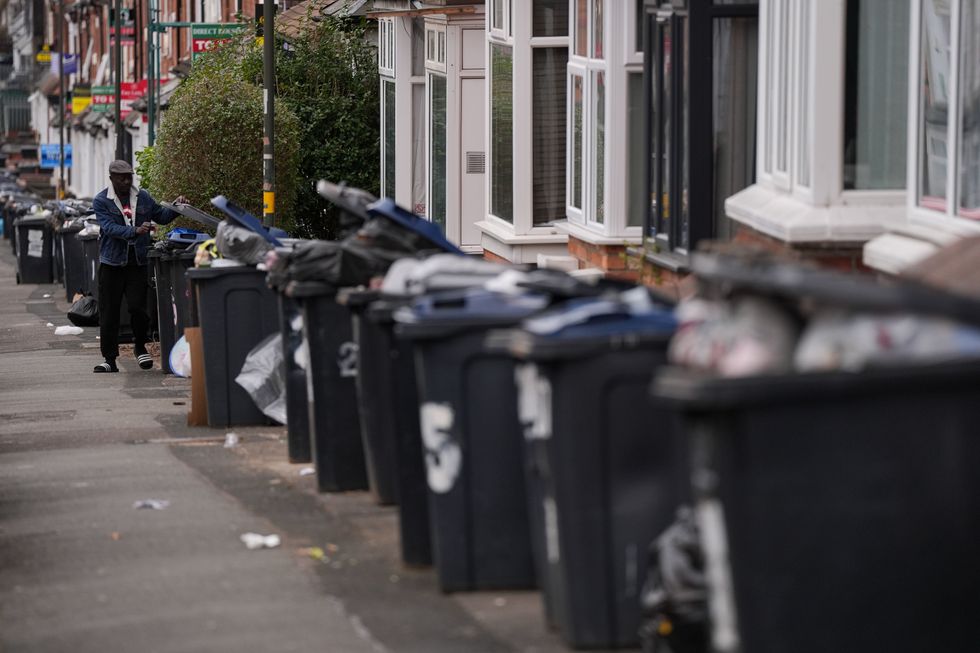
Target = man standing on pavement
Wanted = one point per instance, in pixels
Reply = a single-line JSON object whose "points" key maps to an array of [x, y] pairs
{"points": [[125, 215]]}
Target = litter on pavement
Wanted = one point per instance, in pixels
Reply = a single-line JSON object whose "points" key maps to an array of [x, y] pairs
{"points": [[68, 331], [258, 541], [151, 504], [307, 471], [231, 440]]}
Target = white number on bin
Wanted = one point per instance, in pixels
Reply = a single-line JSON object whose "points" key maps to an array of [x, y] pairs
{"points": [[443, 457], [347, 360], [533, 402]]}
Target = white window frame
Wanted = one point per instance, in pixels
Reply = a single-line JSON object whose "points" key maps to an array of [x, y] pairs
{"points": [[522, 45], [631, 55], [385, 191], [439, 34], [507, 30], [431, 71], [950, 218], [386, 47]]}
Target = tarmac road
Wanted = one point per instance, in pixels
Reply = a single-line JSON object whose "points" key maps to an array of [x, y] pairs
{"points": [[82, 570]]}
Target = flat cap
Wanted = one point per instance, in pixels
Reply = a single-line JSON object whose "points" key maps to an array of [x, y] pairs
{"points": [[120, 167]]}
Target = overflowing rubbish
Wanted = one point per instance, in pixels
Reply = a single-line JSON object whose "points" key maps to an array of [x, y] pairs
{"points": [[262, 377], [180, 358], [84, 312], [254, 541], [69, 331], [151, 504], [240, 244], [675, 595]]}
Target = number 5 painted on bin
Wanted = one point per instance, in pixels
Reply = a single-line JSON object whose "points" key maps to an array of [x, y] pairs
{"points": [[443, 457]]}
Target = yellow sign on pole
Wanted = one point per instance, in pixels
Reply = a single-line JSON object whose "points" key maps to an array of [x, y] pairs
{"points": [[78, 104], [44, 56], [269, 202]]}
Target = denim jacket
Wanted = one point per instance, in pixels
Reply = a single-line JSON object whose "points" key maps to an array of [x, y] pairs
{"points": [[115, 235]]}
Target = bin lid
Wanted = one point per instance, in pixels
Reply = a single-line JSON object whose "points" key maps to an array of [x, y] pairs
{"points": [[700, 390], [193, 213], [33, 220], [357, 298], [792, 281], [446, 313], [354, 201], [589, 326], [221, 271], [387, 208], [241, 217], [304, 289]]}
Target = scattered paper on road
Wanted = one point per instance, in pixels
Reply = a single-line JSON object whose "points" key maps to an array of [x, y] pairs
{"points": [[307, 471], [151, 504], [68, 331], [258, 541]]}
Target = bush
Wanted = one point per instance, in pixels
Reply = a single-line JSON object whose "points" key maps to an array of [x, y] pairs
{"points": [[210, 140], [329, 79]]}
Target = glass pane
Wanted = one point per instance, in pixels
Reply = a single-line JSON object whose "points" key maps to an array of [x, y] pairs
{"points": [[549, 18], [418, 150], [666, 125], [734, 108], [876, 94], [418, 46], [501, 132], [599, 138], [597, 35], [637, 150], [437, 149], [638, 33], [970, 110], [934, 90], [577, 100], [389, 135], [581, 28], [685, 125], [430, 48], [549, 120], [497, 14]]}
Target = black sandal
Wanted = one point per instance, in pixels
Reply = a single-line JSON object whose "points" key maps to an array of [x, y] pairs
{"points": [[106, 367], [145, 361]]}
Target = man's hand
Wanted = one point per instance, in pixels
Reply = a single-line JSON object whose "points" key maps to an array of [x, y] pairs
{"points": [[181, 200], [144, 228]]}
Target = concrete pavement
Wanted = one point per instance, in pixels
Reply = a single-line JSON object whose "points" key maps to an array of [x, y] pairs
{"points": [[82, 570]]}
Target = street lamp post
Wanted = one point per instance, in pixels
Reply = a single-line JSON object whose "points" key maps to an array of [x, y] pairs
{"points": [[61, 99], [117, 50], [269, 91]]}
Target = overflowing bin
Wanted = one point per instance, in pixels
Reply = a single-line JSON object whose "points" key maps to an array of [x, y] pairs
{"points": [[236, 310], [839, 510], [471, 437], [605, 469]]}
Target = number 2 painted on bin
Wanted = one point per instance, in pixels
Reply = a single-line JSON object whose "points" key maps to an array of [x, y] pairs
{"points": [[347, 360], [443, 457]]}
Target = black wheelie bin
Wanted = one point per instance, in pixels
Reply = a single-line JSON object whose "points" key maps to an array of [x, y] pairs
{"points": [[605, 470], [839, 510]]}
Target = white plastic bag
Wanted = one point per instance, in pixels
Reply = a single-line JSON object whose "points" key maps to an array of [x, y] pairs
{"points": [[263, 379]]}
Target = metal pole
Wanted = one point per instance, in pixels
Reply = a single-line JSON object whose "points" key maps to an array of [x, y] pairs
{"points": [[150, 61], [61, 99], [118, 57], [268, 150]]}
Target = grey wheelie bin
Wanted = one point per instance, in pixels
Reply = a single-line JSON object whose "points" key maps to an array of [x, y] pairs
{"points": [[839, 510], [605, 470], [471, 436]]}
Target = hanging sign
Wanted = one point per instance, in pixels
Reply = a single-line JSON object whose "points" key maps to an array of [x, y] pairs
{"points": [[207, 36]]}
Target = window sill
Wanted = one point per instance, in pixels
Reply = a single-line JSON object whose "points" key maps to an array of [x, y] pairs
{"points": [[500, 240], [587, 235], [671, 261], [793, 221], [894, 251]]}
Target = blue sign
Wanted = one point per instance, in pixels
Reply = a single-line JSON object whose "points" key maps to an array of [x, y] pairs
{"points": [[50, 158], [70, 62]]}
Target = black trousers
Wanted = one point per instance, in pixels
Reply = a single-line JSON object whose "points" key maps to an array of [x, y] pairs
{"points": [[116, 282]]}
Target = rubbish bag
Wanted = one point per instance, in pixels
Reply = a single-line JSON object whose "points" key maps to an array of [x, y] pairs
{"points": [[84, 312], [675, 597], [238, 243], [263, 379]]}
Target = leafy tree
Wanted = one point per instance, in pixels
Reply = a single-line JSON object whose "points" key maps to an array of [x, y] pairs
{"points": [[210, 140]]}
